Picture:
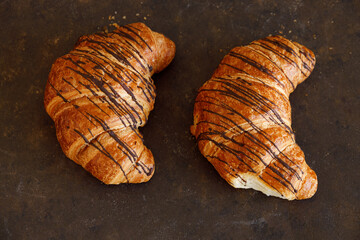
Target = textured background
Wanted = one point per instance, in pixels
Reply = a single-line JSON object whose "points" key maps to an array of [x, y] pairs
{"points": [[43, 195]]}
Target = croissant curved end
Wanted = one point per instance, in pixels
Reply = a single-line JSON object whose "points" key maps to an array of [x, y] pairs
{"points": [[309, 186], [166, 49]]}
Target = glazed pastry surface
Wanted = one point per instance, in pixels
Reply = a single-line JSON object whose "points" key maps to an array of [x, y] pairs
{"points": [[242, 118], [100, 93]]}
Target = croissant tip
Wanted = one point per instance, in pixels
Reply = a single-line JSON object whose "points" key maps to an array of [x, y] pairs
{"points": [[309, 186], [165, 50]]}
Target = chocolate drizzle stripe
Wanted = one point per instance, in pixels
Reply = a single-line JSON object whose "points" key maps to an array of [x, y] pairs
{"points": [[205, 136], [123, 85], [148, 171], [129, 29], [103, 151], [260, 143], [257, 101], [234, 174], [308, 57], [99, 84], [256, 65], [286, 58], [71, 85], [271, 185], [289, 50], [236, 68], [120, 57], [58, 93], [114, 51], [253, 79], [282, 45], [125, 148], [288, 129], [282, 177], [231, 151], [90, 132], [97, 106], [274, 63], [281, 182], [249, 136]]}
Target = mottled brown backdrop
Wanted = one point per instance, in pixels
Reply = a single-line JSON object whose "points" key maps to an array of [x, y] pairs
{"points": [[43, 195]]}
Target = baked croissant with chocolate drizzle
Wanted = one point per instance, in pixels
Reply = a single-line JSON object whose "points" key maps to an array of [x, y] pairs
{"points": [[100, 93], [242, 118]]}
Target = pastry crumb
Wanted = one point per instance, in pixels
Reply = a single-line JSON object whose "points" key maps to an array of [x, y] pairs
{"points": [[138, 14], [144, 18], [56, 40], [124, 17]]}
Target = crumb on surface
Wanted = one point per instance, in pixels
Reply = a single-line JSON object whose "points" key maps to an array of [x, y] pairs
{"points": [[124, 17]]}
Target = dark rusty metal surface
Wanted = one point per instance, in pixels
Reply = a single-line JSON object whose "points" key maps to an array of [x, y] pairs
{"points": [[43, 195]]}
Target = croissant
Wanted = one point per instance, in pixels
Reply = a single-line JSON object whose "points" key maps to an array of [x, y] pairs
{"points": [[242, 118], [100, 93]]}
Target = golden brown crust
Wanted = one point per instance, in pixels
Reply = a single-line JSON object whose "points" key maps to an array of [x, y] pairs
{"points": [[242, 118], [100, 93]]}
